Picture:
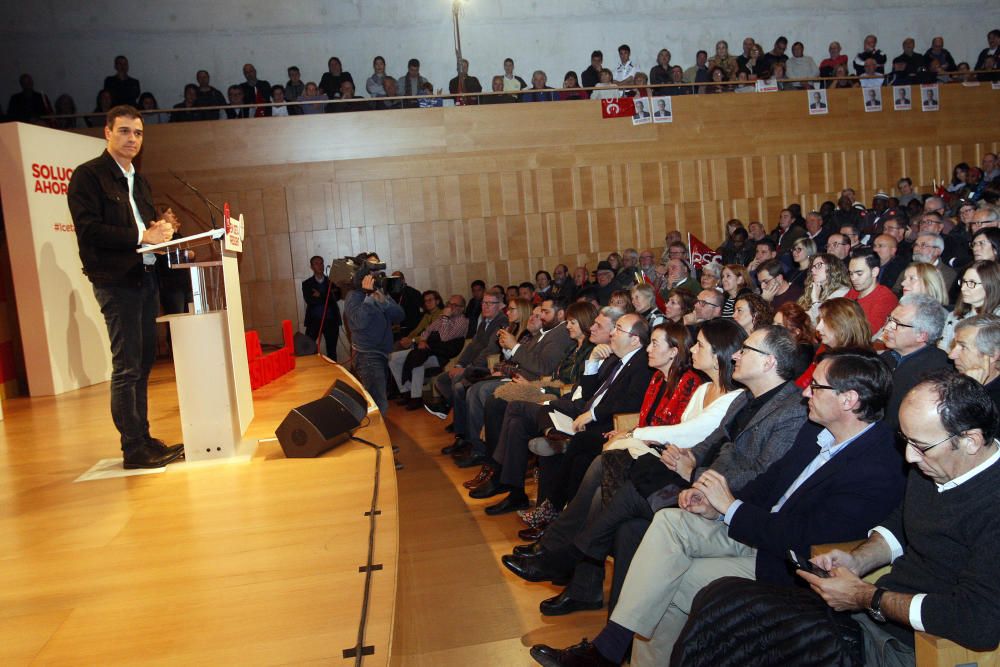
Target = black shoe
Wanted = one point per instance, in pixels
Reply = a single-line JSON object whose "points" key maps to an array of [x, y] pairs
{"points": [[414, 404], [159, 446], [583, 654], [563, 604], [402, 400], [145, 456], [533, 549], [491, 488], [473, 461], [515, 501], [450, 428], [456, 444], [532, 569]]}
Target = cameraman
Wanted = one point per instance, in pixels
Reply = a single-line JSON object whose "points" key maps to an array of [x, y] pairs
{"points": [[370, 316]]}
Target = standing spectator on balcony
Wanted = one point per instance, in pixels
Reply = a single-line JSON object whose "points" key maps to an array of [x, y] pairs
{"points": [[295, 87], [463, 83], [660, 73], [123, 88], [776, 55], [315, 95], [333, 77], [744, 58], [375, 83], [698, 73], [939, 53], [914, 61], [828, 66], [539, 91], [256, 91], [511, 81], [723, 60], [625, 69], [411, 83], [870, 51], [992, 51], [800, 66], [208, 96], [187, 109], [235, 93], [592, 75], [28, 106]]}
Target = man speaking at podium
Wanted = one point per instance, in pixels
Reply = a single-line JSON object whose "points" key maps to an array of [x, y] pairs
{"points": [[112, 209]]}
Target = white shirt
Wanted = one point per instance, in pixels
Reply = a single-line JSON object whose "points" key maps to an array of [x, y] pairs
{"points": [[625, 70], [896, 549], [148, 258], [541, 334]]}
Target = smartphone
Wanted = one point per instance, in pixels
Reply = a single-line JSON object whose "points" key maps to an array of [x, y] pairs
{"points": [[807, 566], [657, 448]]}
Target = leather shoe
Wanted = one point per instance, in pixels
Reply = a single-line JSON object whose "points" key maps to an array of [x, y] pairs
{"points": [[532, 569], [456, 444], [485, 474], [163, 448], [532, 534], [513, 502], [491, 488], [533, 549], [450, 428], [414, 404], [562, 604], [583, 654], [472, 460], [145, 456]]}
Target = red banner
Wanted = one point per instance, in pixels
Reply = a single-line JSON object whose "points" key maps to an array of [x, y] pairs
{"points": [[620, 107], [701, 254]]}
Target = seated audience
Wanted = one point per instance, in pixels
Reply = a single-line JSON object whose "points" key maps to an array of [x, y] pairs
{"points": [[979, 295], [428, 347], [463, 83], [922, 278], [511, 81], [334, 75], [876, 300], [774, 288], [539, 91], [187, 109], [938, 541], [679, 303], [827, 280], [976, 351], [735, 283], [209, 96]]}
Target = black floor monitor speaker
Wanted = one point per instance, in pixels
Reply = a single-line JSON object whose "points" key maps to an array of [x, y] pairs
{"points": [[316, 427]]}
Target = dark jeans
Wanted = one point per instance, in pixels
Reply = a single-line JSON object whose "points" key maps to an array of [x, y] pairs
{"points": [[130, 315], [372, 369], [331, 332]]}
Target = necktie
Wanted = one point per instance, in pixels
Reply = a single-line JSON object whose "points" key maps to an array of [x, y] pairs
{"points": [[607, 384]]}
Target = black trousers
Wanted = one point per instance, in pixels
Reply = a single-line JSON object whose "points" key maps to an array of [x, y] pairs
{"points": [[130, 316]]}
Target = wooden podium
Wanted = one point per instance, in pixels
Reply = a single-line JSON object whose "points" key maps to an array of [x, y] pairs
{"points": [[209, 348]]}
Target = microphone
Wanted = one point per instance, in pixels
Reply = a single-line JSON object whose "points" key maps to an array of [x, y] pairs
{"points": [[208, 202]]}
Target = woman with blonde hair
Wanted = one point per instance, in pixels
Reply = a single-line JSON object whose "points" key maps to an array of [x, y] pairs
{"points": [[827, 279], [518, 312], [924, 278], [840, 323], [803, 251]]}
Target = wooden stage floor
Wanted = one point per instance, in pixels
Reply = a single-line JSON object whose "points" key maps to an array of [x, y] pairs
{"points": [[252, 563]]}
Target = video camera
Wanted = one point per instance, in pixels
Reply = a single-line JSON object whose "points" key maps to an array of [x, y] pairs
{"points": [[353, 270]]}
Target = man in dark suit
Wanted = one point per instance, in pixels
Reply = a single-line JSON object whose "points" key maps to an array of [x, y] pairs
{"points": [[640, 111], [314, 293], [618, 385], [472, 361], [910, 334], [113, 213], [817, 102], [661, 109], [842, 474]]}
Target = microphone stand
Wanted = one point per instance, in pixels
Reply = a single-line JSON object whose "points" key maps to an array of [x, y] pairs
{"points": [[208, 202]]}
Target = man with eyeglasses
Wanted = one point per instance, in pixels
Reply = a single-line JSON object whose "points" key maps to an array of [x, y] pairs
{"points": [[707, 307], [773, 287], [839, 246], [956, 241], [910, 336], [928, 248], [895, 225], [842, 474], [941, 541], [472, 361]]}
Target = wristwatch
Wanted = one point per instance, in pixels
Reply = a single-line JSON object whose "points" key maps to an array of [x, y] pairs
{"points": [[875, 606]]}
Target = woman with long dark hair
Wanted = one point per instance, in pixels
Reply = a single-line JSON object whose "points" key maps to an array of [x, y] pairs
{"points": [[979, 295]]}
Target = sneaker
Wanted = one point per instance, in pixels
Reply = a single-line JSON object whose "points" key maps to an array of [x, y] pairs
{"points": [[438, 410]]}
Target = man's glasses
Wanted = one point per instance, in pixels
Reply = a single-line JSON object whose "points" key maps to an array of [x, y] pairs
{"points": [[702, 302], [618, 327], [492, 303], [816, 386], [923, 450], [896, 323], [754, 349]]}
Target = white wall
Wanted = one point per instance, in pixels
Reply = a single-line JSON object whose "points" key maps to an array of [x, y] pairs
{"points": [[69, 46]]}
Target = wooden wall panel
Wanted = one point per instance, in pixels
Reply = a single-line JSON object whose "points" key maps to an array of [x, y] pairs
{"points": [[498, 192]]}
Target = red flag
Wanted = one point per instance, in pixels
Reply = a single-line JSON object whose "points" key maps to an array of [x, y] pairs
{"points": [[701, 254], [619, 107]]}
